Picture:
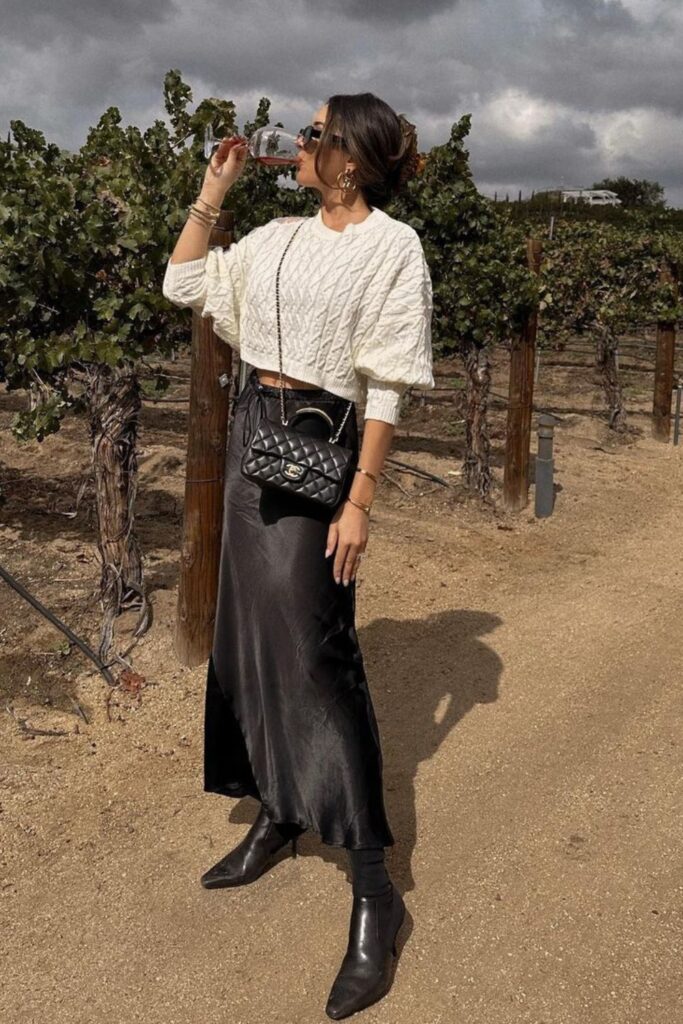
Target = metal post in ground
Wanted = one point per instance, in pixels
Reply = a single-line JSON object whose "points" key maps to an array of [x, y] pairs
{"points": [[677, 415], [544, 466]]}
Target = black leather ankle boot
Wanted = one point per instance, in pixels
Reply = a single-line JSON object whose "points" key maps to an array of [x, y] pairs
{"points": [[366, 972], [251, 856]]}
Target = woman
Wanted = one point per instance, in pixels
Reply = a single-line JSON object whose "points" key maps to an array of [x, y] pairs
{"points": [[289, 719]]}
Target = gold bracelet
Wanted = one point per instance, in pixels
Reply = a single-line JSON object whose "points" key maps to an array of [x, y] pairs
{"points": [[209, 217], [204, 218], [204, 213], [198, 220], [367, 473], [358, 504], [210, 206]]}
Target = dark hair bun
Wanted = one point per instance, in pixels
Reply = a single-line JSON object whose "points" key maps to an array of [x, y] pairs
{"points": [[409, 160]]}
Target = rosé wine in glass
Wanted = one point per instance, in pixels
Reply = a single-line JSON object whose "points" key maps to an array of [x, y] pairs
{"points": [[270, 146]]}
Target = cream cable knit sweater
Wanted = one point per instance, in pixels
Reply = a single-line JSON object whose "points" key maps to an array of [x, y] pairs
{"points": [[355, 305]]}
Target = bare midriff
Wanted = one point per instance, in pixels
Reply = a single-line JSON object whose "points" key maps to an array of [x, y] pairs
{"points": [[273, 379]]}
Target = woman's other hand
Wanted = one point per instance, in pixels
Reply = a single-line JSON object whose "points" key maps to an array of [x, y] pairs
{"points": [[348, 535]]}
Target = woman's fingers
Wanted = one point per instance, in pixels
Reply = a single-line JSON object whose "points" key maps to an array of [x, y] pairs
{"points": [[355, 565], [339, 560], [349, 571], [225, 146], [332, 534], [345, 562]]}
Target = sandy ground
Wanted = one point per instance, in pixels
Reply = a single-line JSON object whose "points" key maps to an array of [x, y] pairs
{"points": [[526, 676]]}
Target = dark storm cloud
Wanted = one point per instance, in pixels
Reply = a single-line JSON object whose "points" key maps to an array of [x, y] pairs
{"points": [[558, 150], [573, 89], [596, 56], [34, 23], [594, 15], [392, 12]]}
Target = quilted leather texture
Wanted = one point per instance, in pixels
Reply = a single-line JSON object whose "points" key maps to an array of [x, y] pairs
{"points": [[355, 309], [277, 456]]}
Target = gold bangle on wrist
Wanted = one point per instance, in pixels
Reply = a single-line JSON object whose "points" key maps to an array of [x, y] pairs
{"points": [[198, 220], [367, 473], [204, 213], [359, 504], [203, 217], [210, 206]]}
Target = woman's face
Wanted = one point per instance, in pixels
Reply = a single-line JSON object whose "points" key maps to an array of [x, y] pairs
{"points": [[337, 160]]}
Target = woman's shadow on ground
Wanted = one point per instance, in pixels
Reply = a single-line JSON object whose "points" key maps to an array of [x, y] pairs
{"points": [[424, 676]]}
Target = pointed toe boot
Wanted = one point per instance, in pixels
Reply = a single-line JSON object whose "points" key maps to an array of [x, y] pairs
{"points": [[366, 972], [250, 858]]}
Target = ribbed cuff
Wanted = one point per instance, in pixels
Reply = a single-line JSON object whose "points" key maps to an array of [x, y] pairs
{"points": [[179, 271], [383, 401]]}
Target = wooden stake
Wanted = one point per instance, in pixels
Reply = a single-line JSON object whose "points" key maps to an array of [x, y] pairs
{"points": [[520, 401], [204, 480], [664, 367]]}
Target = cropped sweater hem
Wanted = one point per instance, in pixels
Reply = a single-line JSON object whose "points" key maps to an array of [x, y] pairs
{"points": [[301, 371], [382, 401]]}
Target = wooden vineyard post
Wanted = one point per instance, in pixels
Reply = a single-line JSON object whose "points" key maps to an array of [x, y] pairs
{"points": [[520, 401], [664, 366], [203, 509]]}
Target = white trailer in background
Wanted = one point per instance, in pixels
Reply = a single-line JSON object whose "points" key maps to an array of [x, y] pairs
{"points": [[592, 196]]}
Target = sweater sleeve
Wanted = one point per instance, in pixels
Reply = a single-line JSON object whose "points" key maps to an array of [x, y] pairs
{"points": [[214, 285], [396, 352]]}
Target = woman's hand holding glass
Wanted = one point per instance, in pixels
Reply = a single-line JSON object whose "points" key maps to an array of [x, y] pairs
{"points": [[226, 165], [270, 146]]}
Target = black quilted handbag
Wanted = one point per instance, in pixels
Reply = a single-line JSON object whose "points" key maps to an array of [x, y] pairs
{"points": [[279, 456]]}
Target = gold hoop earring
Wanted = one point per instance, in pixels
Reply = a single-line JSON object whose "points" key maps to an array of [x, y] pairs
{"points": [[348, 182]]}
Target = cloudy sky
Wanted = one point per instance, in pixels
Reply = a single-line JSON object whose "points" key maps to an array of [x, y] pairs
{"points": [[561, 92]]}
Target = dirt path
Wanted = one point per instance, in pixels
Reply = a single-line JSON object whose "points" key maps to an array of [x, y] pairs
{"points": [[527, 681]]}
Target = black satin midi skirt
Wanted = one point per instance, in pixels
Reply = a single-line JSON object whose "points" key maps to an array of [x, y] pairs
{"points": [[289, 718]]}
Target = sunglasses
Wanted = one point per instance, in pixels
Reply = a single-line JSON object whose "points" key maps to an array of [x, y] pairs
{"points": [[310, 133]]}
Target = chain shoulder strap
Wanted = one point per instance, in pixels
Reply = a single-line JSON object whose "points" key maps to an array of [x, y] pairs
{"points": [[283, 418]]}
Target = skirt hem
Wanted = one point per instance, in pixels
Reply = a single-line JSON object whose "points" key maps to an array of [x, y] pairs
{"points": [[238, 792]]}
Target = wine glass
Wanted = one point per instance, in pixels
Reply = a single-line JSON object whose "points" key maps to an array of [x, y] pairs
{"points": [[270, 146]]}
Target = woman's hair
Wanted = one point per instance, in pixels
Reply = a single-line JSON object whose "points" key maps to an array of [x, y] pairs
{"points": [[382, 144]]}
